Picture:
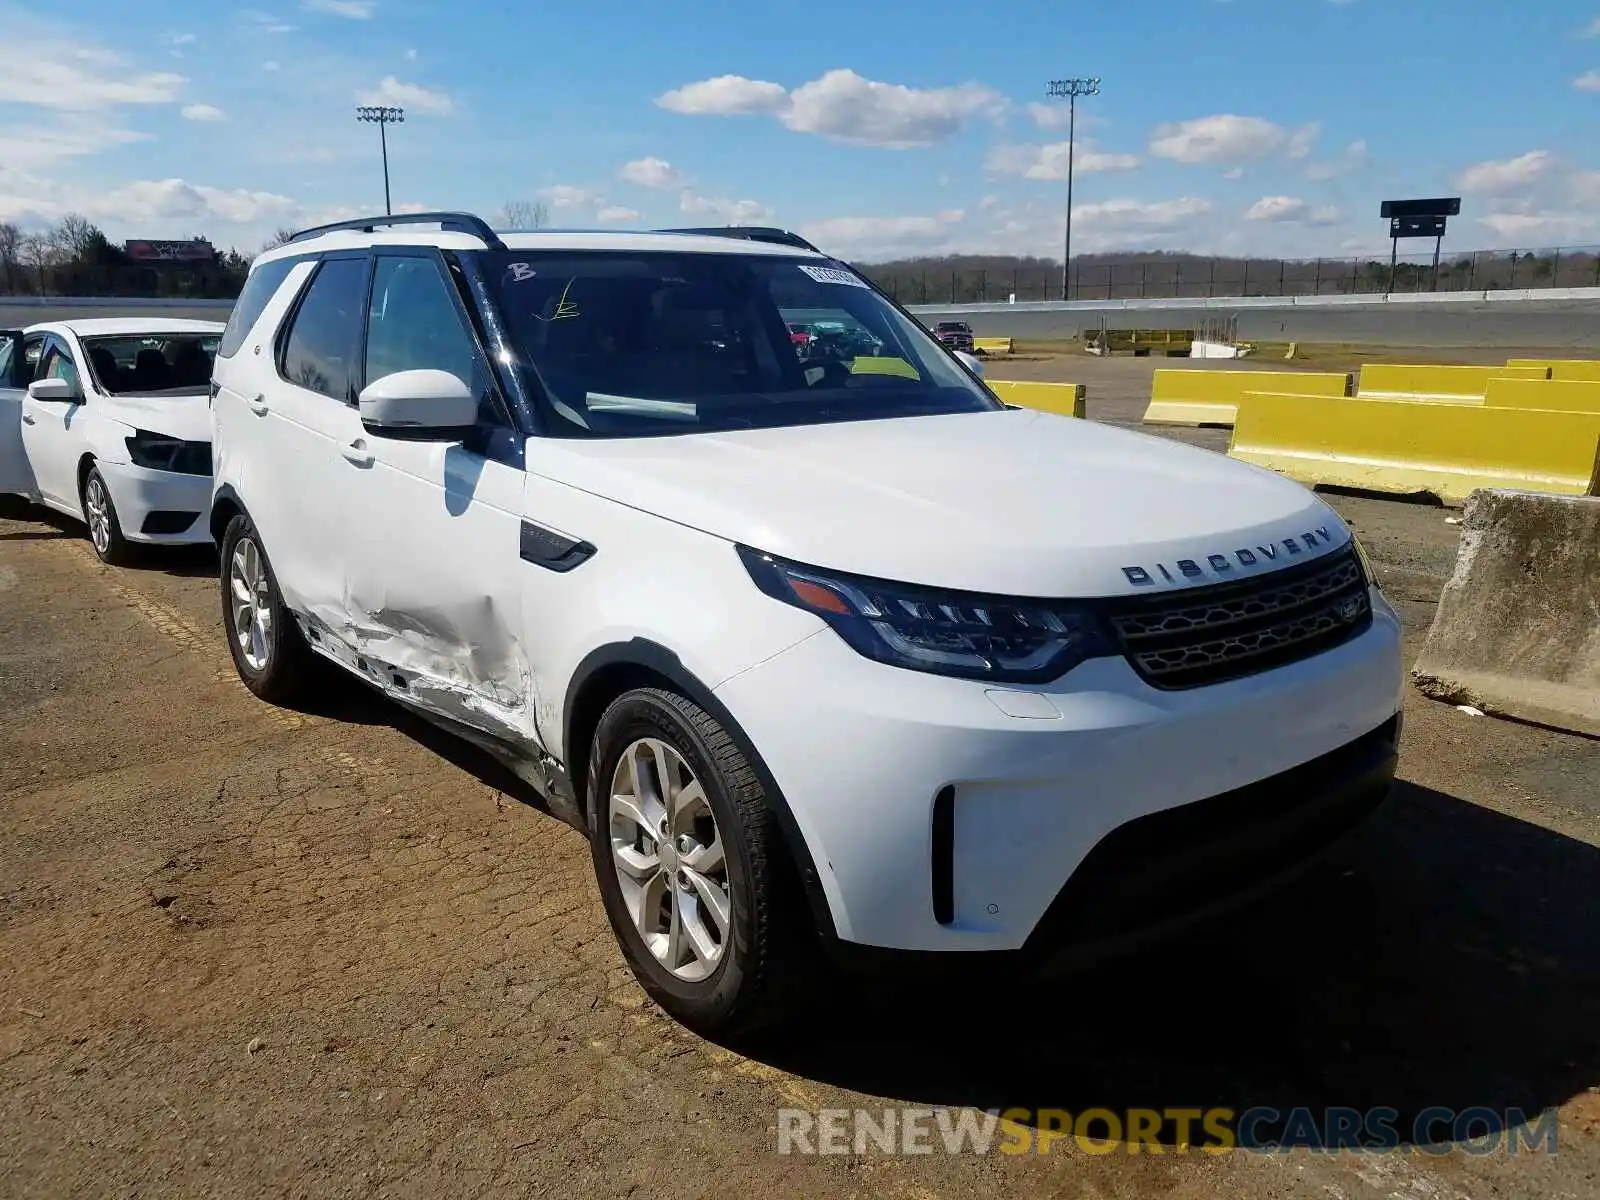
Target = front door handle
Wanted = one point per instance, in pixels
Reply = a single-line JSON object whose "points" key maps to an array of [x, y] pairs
{"points": [[27, 418], [257, 405], [357, 453]]}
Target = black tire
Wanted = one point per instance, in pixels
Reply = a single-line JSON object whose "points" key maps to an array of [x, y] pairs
{"points": [[287, 663], [104, 524], [763, 959]]}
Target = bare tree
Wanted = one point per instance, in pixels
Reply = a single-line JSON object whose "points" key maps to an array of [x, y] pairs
{"points": [[10, 253], [279, 238], [75, 238], [37, 250], [523, 214]]}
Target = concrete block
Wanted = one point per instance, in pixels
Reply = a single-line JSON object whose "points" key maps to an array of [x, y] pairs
{"points": [[1517, 631]]}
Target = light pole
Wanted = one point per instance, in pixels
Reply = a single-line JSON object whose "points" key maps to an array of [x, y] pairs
{"points": [[1071, 89], [382, 116]]}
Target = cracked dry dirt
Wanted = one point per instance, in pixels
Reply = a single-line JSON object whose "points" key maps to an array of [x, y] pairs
{"points": [[249, 952]]}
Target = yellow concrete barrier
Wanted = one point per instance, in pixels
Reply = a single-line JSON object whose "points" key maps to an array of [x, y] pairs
{"points": [[1397, 446], [1210, 397], [1567, 370], [1453, 384], [1552, 394], [991, 345], [1066, 399]]}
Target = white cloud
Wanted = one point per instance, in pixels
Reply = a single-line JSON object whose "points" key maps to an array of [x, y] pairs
{"points": [[1292, 209], [1226, 139], [1303, 141], [734, 212], [256, 21], [1143, 215], [1049, 161], [652, 172], [726, 96], [35, 144], [567, 195], [843, 106], [1511, 175], [74, 77], [354, 10], [1234, 173], [203, 112], [1589, 81], [411, 56], [1592, 30], [1352, 159], [616, 212], [269, 65], [413, 97], [1049, 117], [150, 205], [883, 237]]}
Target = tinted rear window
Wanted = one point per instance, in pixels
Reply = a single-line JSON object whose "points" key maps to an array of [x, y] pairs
{"points": [[258, 291]]}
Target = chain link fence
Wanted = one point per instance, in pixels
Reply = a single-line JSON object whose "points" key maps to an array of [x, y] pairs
{"points": [[1173, 276]]}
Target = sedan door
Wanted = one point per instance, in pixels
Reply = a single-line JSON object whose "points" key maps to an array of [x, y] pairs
{"points": [[52, 429], [16, 478], [435, 579]]}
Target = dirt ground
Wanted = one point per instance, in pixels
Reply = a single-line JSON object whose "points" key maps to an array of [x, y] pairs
{"points": [[252, 952]]}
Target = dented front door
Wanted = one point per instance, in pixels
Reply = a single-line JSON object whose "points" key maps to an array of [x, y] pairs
{"points": [[433, 582]]}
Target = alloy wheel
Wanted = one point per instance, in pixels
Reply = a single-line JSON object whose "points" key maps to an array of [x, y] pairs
{"points": [[252, 603], [668, 855], [97, 509]]}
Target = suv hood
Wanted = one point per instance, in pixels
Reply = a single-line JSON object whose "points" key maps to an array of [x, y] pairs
{"points": [[186, 417], [1014, 502]]}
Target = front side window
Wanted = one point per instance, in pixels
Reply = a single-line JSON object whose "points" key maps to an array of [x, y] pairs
{"points": [[59, 365], [158, 364], [320, 350], [413, 323], [626, 344]]}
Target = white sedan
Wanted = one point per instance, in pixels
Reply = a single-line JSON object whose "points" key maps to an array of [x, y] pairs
{"points": [[109, 421]]}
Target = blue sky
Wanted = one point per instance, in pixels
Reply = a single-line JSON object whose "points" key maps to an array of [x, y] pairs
{"points": [[906, 126]]}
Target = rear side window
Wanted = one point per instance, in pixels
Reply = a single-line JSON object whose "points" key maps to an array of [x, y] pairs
{"points": [[319, 353], [258, 291]]}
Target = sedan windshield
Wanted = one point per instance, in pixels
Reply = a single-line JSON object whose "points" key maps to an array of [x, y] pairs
{"points": [[161, 364], [626, 344]]}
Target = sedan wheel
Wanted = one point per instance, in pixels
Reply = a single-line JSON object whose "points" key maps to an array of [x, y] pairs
{"points": [[100, 514], [669, 860]]}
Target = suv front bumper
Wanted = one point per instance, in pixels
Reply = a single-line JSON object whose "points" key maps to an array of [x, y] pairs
{"points": [[1074, 817]]}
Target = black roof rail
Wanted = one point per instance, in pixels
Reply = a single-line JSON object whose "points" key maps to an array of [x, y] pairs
{"points": [[454, 222], [753, 233]]}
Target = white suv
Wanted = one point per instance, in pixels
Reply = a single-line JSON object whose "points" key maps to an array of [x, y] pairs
{"points": [[813, 651]]}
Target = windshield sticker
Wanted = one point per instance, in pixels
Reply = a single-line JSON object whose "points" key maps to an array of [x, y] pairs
{"points": [[832, 275]]}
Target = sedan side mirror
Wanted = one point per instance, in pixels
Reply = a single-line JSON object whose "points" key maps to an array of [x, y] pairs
{"points": [[52, 390], [427, 404], [970, 362]]}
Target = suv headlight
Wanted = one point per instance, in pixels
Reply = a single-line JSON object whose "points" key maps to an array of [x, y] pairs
{"points": [[971, 636], [1366, 563]]}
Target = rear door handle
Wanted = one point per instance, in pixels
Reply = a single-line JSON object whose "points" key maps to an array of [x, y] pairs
{"points": [[357, 453], [257, 405]]}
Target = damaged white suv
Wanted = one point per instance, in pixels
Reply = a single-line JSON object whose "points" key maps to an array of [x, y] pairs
{"points": [[818, 642]]}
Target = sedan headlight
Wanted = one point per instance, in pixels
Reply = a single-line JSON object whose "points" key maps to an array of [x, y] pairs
{"points": [[964, 634], [161, 452]]}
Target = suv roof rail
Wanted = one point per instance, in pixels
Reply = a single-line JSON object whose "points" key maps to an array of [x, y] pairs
{"points": [[455, 222], [753, 233]]}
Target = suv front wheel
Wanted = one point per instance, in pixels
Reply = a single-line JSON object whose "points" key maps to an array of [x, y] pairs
{"points": [[690, 865], [270, 655]]}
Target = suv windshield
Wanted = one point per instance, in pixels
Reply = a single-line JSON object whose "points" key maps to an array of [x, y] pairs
{"points": [[173, 364], [627, 344]]}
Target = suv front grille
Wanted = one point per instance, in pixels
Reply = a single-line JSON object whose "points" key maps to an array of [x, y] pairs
{"points": [[1213, 634]]}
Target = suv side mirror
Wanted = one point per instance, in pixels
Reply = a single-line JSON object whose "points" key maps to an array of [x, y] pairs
{"points": [[970, 362], [55, 391], [429, 404]]}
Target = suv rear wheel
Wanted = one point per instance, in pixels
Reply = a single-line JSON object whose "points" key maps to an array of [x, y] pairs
{"points": [[268, 651], [690, 865]]}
